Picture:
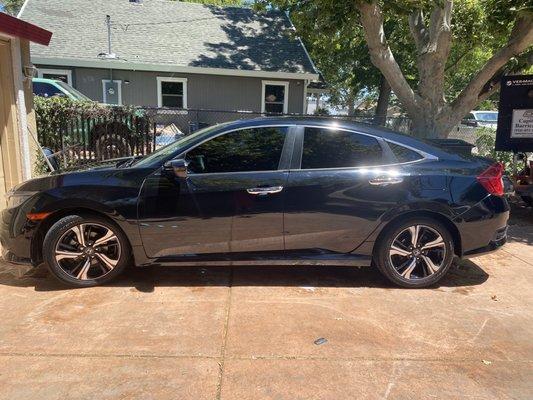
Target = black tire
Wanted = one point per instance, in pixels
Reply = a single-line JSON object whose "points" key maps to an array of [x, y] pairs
{"points": [[528, 200], [382, 257], [63, 227], [111, 141]]}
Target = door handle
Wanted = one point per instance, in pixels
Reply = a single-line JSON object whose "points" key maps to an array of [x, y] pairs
{"points": [[263, 191], [385, 180]]}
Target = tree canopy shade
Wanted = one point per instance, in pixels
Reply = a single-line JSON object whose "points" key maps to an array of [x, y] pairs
{"points": [[11, 6], [440, 57]]}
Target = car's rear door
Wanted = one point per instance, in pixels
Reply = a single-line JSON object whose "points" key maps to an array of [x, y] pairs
{"points": [[340, 184]]}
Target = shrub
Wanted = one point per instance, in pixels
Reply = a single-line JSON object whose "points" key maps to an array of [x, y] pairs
{"points": [[485, 143], [59, 120]]}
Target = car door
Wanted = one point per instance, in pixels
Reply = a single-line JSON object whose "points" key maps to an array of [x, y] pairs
{"points": [[231, 200], [338, 188]]}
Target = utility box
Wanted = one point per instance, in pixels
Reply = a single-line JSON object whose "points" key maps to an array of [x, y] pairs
{"points": [[515, 114]]}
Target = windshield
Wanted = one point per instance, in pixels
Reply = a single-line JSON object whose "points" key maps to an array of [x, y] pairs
{"points": [[165, 152], [487, 116], [76, 94]]}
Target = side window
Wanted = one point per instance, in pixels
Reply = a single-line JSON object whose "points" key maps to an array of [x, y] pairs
{"points": [[257, 149], [275, 96], [171, 92], [403, 154], [46, 90], [326, 148]]}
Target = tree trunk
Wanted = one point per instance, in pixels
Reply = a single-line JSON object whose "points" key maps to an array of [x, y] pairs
{"points": [[428, 123], [351, 106], [431, 114], [380, 117]]}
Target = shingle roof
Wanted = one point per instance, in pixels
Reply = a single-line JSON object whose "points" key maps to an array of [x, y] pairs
{"points": [[169, 33]]}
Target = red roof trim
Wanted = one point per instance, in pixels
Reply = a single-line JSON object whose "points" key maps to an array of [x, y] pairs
{"points": [[19, 28]]}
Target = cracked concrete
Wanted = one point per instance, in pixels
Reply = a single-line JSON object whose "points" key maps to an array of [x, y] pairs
{"points": [[249, 332]]}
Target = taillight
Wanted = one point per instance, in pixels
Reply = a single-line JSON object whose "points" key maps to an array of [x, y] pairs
{"points": [[491, 179]]}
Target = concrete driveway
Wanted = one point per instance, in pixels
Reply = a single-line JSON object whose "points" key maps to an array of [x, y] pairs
{"points": [[254, 333]]}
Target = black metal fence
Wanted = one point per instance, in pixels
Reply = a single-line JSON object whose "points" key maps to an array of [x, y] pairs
{"points": [[80, 141]]}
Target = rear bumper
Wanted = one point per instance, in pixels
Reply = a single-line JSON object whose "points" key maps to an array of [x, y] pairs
{"points": [[500, 238], [483, 228]]}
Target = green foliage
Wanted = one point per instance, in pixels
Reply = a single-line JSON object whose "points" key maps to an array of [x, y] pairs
{"points": [[334, 37], [322, 111], [63, 123], [12, 6], [54, 113], [485, 142], [220, 3]]}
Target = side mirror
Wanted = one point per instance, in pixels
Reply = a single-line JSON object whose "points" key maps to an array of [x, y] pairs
{"points": [[177, 168]]}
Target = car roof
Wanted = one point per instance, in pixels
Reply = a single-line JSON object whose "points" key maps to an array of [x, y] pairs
{"points": [[44, 80], [342, 123]]}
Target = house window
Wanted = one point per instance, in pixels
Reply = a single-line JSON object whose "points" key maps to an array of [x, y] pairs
{"points": [[275, 95], [64, 75], [171, 92], [112, 91]]}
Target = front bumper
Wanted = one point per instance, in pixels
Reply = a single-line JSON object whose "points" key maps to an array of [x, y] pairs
{"points": [[15, 236]]}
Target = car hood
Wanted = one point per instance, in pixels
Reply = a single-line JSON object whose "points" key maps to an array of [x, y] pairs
{"points": [[94, 177]]}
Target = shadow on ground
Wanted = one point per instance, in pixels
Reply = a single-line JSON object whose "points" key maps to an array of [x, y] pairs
{"points": [[520, 223], [464, 273], [146, 279]]}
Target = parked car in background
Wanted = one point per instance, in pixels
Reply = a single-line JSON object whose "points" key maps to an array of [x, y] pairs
{"points": [[266, 190], [106, 139], [481, 118], [50, 87]]}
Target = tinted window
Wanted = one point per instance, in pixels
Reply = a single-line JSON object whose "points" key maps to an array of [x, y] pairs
{"points": [[326, 148], [256, 149], [46, 90], [403, 154]]}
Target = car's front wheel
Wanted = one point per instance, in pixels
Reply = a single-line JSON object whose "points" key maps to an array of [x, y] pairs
{"points": [[84, 251], [415, 253]]}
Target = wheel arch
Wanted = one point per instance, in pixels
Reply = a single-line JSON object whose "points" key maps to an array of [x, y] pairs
{"points": [[448, 223], [36, 247]]}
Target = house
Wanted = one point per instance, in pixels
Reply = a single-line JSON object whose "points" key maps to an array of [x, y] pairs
{"points": [[164, 53], [17, 119]]}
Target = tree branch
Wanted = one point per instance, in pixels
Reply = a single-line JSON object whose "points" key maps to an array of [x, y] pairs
{"points": [[381, 54], [440, 24], [418, 29], [520, 39]]}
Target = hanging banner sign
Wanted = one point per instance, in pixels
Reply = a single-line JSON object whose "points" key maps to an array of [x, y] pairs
{"points": [[522, 125], [515, 114]]}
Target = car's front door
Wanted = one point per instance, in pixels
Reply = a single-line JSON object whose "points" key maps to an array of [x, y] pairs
{"points": [[231, 200], [338, 189]]}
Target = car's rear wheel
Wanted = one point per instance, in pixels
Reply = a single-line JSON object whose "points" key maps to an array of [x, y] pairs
{"points": [[415, 253], [84, 251]]}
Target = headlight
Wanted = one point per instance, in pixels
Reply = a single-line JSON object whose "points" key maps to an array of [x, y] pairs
{"points": [[16, 198]]}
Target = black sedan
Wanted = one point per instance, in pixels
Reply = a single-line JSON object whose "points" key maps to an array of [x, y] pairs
{"points": [[269, 190]]}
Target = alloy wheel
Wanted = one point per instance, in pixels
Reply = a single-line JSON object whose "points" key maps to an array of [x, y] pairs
{"points": [[88, 251], [417, 252]]}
